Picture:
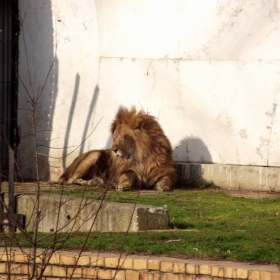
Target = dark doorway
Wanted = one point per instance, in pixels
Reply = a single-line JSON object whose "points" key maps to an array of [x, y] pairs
{"points": [[8, 82]]}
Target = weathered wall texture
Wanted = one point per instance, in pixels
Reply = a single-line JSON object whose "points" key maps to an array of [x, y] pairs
{"points": [[209, 70]]}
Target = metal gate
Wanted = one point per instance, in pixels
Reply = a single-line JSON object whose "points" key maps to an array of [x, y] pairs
{"points": [[8, 82]]}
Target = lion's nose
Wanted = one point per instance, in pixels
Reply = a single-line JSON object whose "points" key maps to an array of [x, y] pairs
{"points": [[115, 148], [118, 152]]}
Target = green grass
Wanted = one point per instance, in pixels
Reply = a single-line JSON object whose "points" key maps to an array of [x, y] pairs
{"points": [[206, 224]]}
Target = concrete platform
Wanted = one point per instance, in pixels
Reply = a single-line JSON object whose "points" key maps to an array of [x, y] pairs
{"points": [[64, 213]]}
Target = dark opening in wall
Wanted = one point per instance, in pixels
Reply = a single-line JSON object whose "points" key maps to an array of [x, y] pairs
{"points": [[9, 30]]}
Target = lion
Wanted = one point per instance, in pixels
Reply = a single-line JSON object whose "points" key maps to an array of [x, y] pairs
{"points": [[141, 155]]}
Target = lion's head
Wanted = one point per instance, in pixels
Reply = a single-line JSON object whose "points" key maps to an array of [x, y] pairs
{"points": [[137, 136]]}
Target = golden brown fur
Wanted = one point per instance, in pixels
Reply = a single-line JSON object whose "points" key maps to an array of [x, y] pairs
{"points": [[141, 155]]}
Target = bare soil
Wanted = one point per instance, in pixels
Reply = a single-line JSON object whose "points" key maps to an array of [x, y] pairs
{"points": [[251, 194]]}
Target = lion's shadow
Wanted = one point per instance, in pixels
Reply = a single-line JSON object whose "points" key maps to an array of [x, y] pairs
{"points": [[189, 156]]}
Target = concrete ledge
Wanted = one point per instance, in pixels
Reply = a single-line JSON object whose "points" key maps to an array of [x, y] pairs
{"points": [[64, 213], [96, 265], [230, 177]]}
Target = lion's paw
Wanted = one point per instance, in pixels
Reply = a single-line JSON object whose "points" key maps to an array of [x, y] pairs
{"points": [[92, 182], [80, 182], [162, 188], [163, 185], [123, 187], [95, 182]]}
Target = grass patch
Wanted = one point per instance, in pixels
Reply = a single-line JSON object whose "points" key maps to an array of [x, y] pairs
{"points": [[206, 224]]}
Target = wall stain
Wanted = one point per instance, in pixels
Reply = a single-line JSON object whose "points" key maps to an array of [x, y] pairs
{"points": [[151, 75], [243, 134]]}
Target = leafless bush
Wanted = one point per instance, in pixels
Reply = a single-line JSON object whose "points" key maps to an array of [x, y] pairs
{"points": [[15, 235]]}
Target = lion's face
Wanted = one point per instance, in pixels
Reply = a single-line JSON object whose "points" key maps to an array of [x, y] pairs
{"points": [[130, 138], [124, 142]]}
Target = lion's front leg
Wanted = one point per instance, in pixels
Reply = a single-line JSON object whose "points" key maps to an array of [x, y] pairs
{"points": [[164, 184], [92, 182], [126, 181]]}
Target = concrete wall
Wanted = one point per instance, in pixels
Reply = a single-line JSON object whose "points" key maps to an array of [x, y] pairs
{"points": [[230, 177], [209, 70]]}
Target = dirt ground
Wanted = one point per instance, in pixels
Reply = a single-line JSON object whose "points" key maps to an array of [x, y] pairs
{"points": [[251, 194]]}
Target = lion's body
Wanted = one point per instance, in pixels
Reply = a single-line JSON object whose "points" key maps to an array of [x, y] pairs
{"points": [[141, 155]]}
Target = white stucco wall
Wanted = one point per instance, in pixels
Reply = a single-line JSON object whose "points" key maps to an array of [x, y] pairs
{"points": [[209, 70], [64, 32]]}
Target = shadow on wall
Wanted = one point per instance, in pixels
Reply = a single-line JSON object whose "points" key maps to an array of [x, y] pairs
{"points": [[37, 81], [188, 157], [49, 99], [86, 124]]}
